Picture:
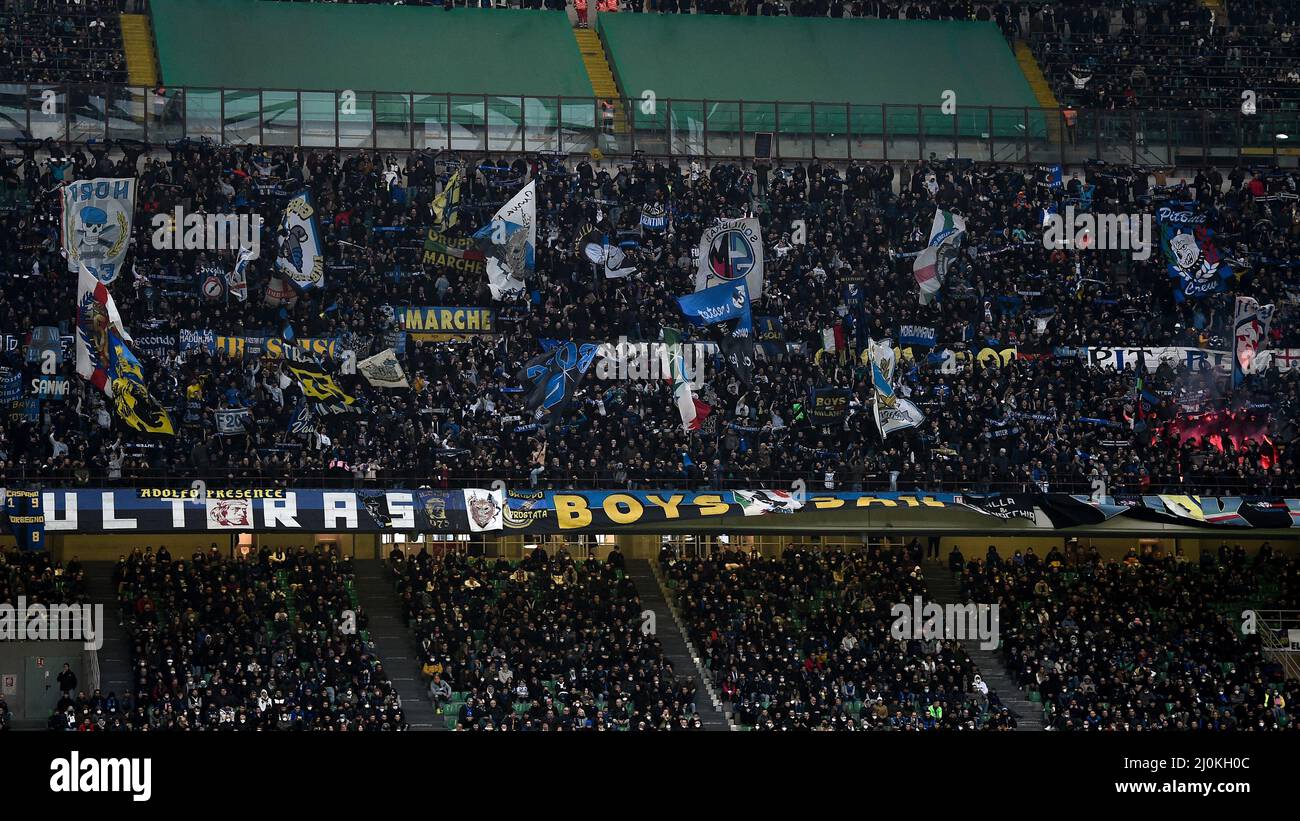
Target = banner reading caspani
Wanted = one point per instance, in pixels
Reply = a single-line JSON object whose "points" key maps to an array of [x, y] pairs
{"points": [[97, 225]]}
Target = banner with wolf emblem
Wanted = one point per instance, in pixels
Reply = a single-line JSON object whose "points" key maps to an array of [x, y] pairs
{"points": [[1190, 254], [299, 258], [96, 225], [732, 251], [484, 509], [383, 370]]}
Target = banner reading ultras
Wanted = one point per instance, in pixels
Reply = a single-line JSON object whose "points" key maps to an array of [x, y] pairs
{"points": [[476, 510], [162, 510]]}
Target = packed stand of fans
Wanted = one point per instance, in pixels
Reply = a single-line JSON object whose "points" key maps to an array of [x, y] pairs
{"points": [[1012, 427], [804, 642], [1166, 54], [1145, 643], [254, 643], [59, 41], [1141, 57], [544, 644]]}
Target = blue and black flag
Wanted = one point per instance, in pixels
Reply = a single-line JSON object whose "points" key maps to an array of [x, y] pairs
{"points": [[555, 375]]}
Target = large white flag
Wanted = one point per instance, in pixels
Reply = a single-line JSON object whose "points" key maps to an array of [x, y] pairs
{"points": [[901, 416], [97, 225], [729, 251], [610, 258], [945, 224], [931, 266], [1250, 325], [509, 243], [237, 279], [299, 258], [683, 396], [383, 370]]}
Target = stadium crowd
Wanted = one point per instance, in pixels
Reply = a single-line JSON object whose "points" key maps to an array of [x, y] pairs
{"points": [[550, 643], [1149, 642], [804, 642], [57, 41], [1033, 414], [39, 580], [1170, 54], [254, 643]]}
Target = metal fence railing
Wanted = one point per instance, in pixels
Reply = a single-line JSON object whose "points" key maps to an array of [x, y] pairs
{"points": [[498, 123]]}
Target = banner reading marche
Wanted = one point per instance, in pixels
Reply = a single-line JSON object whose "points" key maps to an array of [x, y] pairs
{"points": [[96, 225], [732, 251], [457, 253], [420, 322]]}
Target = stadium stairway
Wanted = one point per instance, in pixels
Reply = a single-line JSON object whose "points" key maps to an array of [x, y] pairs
{"points": [[943, 589], [602, 78], [393, 644], [1042, 90], [137, 42], [673, 639], [115, 656]]}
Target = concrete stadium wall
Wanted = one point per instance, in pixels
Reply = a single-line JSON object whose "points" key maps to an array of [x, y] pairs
{"points": [[28, 676]]}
